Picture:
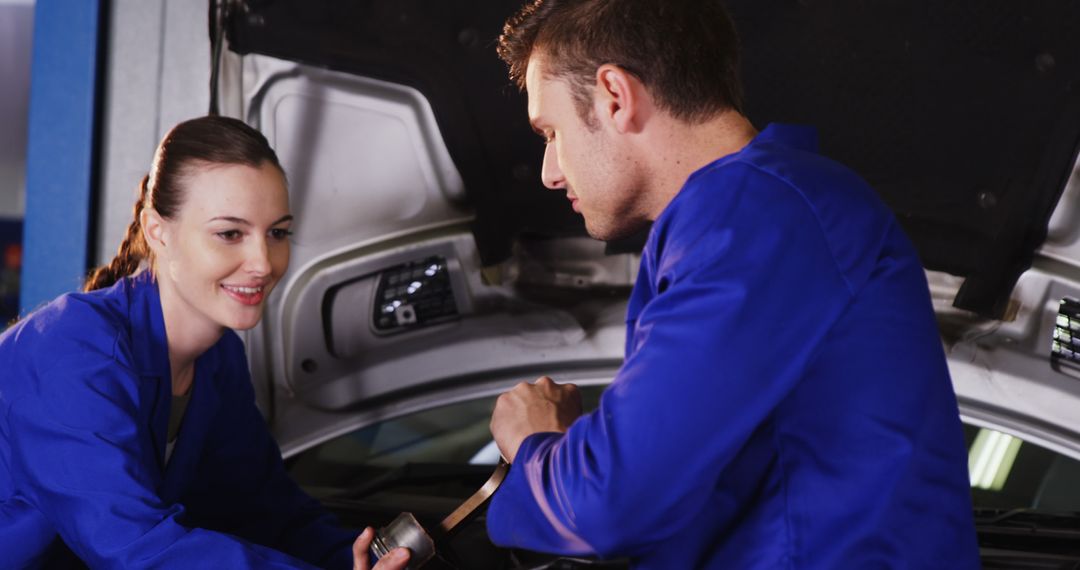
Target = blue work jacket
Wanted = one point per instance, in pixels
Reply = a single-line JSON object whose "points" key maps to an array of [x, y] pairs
{"points": [[784, 402], [85, 392]]}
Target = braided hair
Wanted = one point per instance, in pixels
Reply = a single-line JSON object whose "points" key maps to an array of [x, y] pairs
{"points": [[210, 140]]}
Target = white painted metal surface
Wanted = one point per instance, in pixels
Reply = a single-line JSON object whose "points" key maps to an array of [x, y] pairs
{"points": [[16, 35], [157, 73]]}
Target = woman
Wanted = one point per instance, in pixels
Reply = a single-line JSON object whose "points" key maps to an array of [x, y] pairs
{"points": [[128, 428]]}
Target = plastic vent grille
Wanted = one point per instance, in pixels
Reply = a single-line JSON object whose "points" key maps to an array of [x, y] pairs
{"points": [[1066, 345], [414, 295]]}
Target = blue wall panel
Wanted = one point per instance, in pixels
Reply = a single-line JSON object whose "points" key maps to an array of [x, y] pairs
{"points": [[60, 155]]}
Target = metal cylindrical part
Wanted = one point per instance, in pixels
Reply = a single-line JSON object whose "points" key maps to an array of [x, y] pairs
{"points": [[404, 531]]}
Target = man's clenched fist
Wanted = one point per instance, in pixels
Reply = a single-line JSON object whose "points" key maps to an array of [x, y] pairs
{"points": [[533, 408]]}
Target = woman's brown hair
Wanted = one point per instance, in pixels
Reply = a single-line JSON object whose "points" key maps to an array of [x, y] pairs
{"points": [[210, 140]]}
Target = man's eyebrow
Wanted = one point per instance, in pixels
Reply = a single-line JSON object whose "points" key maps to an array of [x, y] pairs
{"points": [[243, 222]]}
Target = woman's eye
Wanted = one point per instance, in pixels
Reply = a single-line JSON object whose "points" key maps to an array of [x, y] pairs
{"points": [[280, 233], [229, 235]]}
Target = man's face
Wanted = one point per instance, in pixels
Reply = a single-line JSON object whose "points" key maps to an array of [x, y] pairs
{"points": [[601, 182]]}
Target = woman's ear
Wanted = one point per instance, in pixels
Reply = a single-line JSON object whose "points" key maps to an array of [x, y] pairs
{"points": [[154, 230]]}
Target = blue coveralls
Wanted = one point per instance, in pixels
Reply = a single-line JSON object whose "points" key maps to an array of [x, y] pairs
{"points": [[784, 402], [85, 391]]}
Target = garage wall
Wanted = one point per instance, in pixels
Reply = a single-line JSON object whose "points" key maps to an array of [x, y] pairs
{"points": [[157, 73], [16, 31]]}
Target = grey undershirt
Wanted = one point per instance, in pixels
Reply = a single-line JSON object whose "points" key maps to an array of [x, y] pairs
{"points": [[176, 417]]}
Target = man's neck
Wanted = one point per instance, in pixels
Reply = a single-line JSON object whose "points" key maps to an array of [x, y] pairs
{"points": [[677, 149]]}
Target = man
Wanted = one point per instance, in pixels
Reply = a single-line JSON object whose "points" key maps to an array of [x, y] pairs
{"points": [[784, 401]]}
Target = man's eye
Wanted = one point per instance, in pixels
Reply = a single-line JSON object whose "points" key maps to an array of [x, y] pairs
{"points": [[280, 233], [229, 235]]}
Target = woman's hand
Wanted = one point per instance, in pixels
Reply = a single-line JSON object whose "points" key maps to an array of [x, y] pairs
{"points": [[395, 560]]}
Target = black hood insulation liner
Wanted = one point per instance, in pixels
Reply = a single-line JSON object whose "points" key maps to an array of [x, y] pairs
{"points": [[964, 116]]}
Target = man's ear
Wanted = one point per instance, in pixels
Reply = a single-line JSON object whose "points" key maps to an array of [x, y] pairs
{"points": [[153, 229], [620, 98]]}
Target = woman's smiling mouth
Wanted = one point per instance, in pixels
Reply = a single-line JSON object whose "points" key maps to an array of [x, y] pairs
{"points": [[245, 294]]}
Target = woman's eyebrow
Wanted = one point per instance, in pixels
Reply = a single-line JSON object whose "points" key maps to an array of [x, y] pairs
{"points": [[230, 219], [242, 221]]}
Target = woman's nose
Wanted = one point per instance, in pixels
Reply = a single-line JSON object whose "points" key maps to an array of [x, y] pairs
{"points": [[258, 258]]}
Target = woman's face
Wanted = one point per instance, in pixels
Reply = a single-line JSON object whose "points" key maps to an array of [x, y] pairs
{"points": [[225, 249]]}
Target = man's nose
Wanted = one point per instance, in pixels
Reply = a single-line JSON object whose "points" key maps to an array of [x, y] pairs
{"points": [[550, 173]]}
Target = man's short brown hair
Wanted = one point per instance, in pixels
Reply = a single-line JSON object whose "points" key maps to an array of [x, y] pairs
{"points": [[685, 52]]}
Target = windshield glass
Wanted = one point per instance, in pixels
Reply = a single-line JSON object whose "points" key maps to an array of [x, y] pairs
{"points": [[455, 435], [1009, 473], [1006, 472]]}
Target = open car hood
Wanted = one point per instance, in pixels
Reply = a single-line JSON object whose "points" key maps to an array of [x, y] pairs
{"points": [[965, 117], [409, 153]]}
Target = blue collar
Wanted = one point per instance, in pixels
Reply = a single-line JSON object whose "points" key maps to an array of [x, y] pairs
{"points": [[800, 137], [150, 359], [150, 342], [150, 345]]}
